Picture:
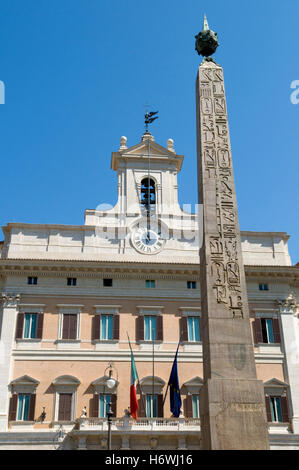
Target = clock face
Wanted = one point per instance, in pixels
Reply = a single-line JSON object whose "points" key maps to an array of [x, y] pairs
{"points": [[147, 240]]}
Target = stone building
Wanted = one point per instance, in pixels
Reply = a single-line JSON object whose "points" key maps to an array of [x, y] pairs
{"points": [[71, 296]]}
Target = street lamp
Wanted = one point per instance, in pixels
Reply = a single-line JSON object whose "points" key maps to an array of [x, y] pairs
{"points": [[110, 382]]}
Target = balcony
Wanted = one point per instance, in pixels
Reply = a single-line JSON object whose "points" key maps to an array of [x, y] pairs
{"points": [[129, 425]]}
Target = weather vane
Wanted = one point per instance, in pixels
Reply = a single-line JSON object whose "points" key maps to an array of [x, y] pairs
{"points": [[149, 118]]}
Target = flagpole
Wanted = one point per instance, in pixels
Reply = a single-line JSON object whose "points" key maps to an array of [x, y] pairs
{"points": [[168, 382], [153, 387], [141, 392]]}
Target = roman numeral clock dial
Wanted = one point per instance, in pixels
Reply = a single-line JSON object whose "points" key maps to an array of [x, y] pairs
{"points": [[147, 240]]}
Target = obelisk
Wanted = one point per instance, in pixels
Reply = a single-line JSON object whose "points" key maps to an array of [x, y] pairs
{"points": [[232, 402]]}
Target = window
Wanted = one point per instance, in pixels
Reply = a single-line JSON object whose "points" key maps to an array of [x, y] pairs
{"points": [[65, 407], [149, 284], [190, 328], [263, 287], [195, 406], [148, 192], [151, 406], [32, 280], [30, 325], [191, 285], [106, 327], [267, 331], [69, 327], [193, 329], [150, 328], [23, 407], [104, 401], [107, 282], [275, 407], [71, 281]]}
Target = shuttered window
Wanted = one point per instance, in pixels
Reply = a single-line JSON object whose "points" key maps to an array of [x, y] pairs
{"points": [[22, 407], [193, 329], [65, 407], [266, 330], [106, 327], [195, 406], [154, 406], [192, 406], [150, 328], [69, 327], [29, 326], [277, 409]]}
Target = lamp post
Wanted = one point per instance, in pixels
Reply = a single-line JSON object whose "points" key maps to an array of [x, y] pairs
{"points": [[110, 382], [109, 415]]}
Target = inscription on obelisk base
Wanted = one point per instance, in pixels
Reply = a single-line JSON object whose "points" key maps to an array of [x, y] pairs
{"points": [[232, 402]]}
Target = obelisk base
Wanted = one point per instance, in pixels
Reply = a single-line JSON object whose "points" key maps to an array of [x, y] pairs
{"points": [[233, 415]]}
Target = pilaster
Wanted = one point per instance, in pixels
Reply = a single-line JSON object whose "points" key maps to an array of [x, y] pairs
{"points": [[9, 313], [289, 314]]}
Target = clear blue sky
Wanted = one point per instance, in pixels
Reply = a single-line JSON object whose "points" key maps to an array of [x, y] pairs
{"points": [[79, 72]]}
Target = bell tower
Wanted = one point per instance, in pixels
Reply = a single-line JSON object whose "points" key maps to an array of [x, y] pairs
{"points": [[147, 176]]}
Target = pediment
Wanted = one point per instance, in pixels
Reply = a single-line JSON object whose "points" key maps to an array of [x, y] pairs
{"points": [[194, 382], [149, 381], [275, 383], [25, 380], [102, 381], [66, 380], [141, 151]]}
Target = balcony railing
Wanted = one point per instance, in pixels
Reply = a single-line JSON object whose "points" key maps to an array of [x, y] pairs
{"points": [[146, 424]]}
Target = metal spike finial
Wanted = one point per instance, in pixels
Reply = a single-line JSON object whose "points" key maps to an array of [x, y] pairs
{"points": [[205, 23], [206, 41]]}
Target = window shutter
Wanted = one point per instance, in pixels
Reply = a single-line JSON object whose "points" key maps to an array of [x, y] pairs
{"points": [[113, 404], [159, 328], [73, 326], [115, 326], [257, 328], [95, 406], [268, 409], [20, 324], [13, 407], [276, 330], [65, 326], [140, 328], [96, 327], [39, 326], [65, 407], [188, 411], [32, 407], [285, 410], [68, 407], [141, 413], [183, 329], [160, 406]]}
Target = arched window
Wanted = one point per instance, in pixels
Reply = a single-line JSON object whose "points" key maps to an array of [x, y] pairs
{"points": [[148, 192]]}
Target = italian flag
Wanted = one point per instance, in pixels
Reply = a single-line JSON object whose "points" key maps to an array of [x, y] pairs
{"points": [[133, 394]]}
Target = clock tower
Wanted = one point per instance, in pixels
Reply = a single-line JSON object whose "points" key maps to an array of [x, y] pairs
{"points": [[147, 219]]}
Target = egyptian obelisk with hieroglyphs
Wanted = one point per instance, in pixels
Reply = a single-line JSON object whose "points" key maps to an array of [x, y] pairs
{"points": [[232, 405]]}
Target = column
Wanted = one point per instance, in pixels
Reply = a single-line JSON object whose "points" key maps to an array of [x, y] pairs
{"points": [[9, 314], [290, 333]]}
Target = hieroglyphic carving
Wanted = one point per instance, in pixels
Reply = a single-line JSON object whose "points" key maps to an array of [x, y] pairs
{"points": [[225, 269], [207, 105]]}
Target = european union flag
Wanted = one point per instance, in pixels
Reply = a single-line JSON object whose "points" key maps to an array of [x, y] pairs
{"points": [[175, 394]]}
